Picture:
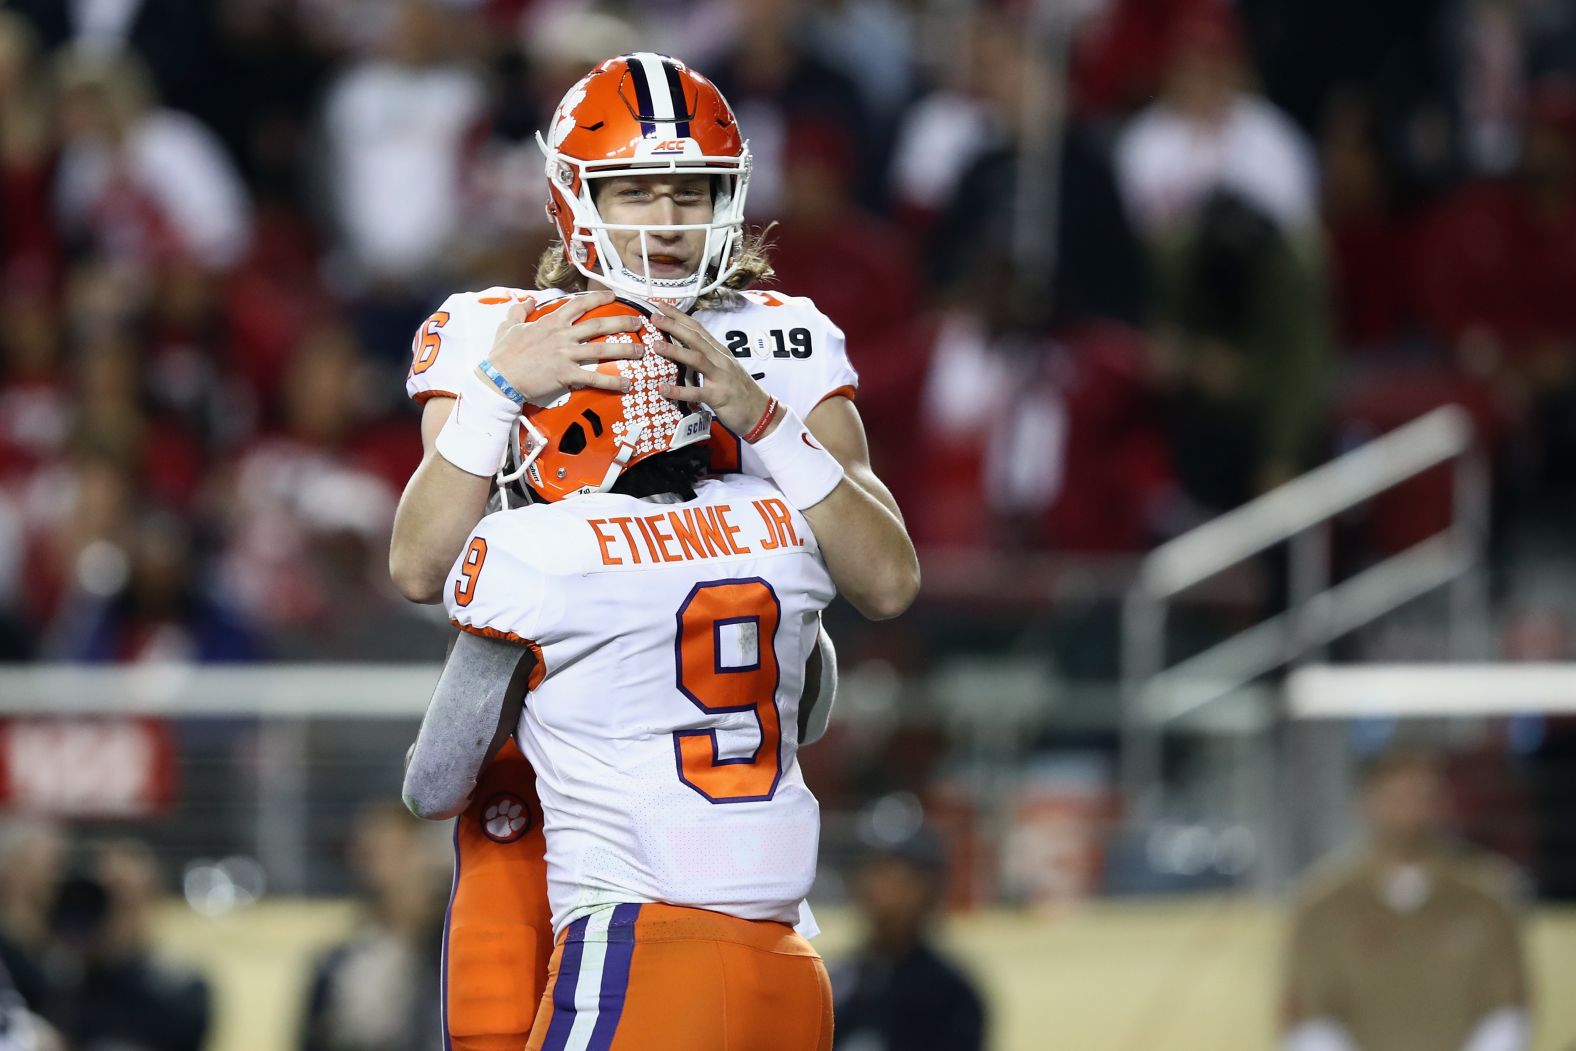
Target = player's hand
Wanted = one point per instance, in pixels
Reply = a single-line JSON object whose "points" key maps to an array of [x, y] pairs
{"points": [[729, 390], [541, 359]]}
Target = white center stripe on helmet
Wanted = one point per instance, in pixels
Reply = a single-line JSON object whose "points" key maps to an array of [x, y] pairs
{"points": [[662, 101]]}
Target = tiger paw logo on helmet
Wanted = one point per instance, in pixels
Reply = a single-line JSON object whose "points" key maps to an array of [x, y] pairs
{"points": [[506, 818]]}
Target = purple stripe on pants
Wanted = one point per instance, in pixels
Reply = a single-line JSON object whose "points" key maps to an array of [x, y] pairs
{"points": [[615, 976], [448, 923], [564, 988]]}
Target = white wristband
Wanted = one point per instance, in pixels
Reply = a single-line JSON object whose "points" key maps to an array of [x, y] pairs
{"points": [[805, 472], [477, 431]]}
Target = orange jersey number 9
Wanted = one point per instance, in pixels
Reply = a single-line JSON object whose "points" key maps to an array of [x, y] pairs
{"points": [[424, 348], [727, 663], [470, 569]]}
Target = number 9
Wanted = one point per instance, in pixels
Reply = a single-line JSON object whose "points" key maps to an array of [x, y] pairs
{"points": [[701, 677]]}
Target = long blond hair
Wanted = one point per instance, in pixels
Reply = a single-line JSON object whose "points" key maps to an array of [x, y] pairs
{"points": [[554, 270]]}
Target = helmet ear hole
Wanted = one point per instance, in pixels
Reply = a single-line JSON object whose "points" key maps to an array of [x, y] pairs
{"points": [[573, 441]]}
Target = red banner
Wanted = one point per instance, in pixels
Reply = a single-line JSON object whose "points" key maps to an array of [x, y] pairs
{"points": [[87, 767]]}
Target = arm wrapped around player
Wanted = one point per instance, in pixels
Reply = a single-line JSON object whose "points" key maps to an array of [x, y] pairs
{"points": [[472, 712]]}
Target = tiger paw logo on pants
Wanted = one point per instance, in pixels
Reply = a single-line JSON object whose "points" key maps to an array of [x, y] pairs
{"points": [[506, 818]]}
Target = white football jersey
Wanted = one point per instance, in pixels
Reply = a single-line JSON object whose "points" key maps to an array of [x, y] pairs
{"points": [[792, 349], [663, 719]]}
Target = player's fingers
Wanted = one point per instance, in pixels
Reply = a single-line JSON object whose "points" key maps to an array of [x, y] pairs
{"points": [[586, 352], [586, 303], [515, 315], [691, 334], [601, 381], [693, 359], [675, 321], [603, 326], [692, 395]]}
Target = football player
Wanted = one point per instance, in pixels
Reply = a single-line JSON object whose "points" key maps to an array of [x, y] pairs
{"points": [[647, 177], [645, 632]]}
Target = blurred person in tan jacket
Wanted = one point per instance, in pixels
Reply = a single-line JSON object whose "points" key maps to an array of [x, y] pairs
{"points": [[1411, 942]]}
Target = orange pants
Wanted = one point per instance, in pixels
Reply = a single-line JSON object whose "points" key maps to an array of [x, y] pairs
{"points": [[664, 978], [498, 934]]}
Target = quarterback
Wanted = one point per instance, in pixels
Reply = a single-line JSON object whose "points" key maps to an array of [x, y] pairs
{"points": [[645, 633], [647, 174]]}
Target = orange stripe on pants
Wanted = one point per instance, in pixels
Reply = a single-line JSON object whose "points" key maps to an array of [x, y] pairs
{"points": [[498, 935], [701, 981]]}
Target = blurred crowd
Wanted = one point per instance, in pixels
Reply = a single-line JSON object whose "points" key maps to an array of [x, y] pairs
{"points": [[1103, 277], [79, 967]]}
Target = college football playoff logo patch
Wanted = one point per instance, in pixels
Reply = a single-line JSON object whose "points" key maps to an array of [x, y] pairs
{"points": [[506, 818]]}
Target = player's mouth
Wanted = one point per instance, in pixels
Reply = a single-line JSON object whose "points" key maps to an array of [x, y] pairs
{"points": [[665, 265]]}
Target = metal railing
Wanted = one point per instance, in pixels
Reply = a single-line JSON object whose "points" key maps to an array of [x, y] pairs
{"points": [[1299, 513]]}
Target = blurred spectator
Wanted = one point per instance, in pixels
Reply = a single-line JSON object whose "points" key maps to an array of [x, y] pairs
{"points": [[177, 39], [139, 183], [1365, 234], [898, 992], [108, 991], [1410, 943], [80, 509], [855, 265], [398, 126], [32, 863], [162, 612], [873, 41], [21, 1029], [1491, 53], [277, 64], [1119, 55], [773, 75], [378, 991], [327, 468], [1208, 133], [506, 230], [1493, 266], [944, 132], [1097, 267], [1242, 350], [29, 245], [16, 641], [1038, 441]]}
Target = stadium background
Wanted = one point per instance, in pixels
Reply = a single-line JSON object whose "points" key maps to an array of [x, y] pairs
{"points": [[1080, 335]]}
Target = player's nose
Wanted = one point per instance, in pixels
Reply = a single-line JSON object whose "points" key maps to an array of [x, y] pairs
{"points": [[667, 214]]}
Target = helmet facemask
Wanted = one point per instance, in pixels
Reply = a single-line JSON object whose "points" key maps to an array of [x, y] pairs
{"points": [[572, 184]]}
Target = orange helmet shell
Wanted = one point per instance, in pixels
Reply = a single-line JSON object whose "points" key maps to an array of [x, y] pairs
{"points": [[582, 442], [644, 113], [620, 112]]}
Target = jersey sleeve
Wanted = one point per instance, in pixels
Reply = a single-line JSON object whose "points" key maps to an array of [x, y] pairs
{"points": [[457, 335], [494, 589]]}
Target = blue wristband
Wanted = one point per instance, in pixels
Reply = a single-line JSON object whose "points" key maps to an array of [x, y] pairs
{"points": [[501, 383]]}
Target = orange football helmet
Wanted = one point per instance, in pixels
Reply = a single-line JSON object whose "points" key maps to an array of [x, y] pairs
{"points": [[635, 115], [585, 440]]}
